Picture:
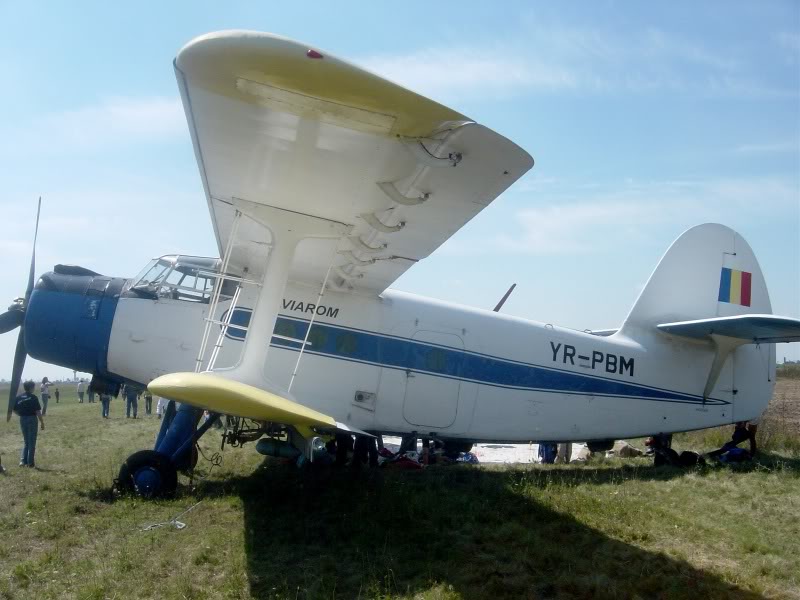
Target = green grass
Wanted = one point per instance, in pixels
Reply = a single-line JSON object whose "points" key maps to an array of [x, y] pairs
{"points": [[788, 371], [606, 529]]}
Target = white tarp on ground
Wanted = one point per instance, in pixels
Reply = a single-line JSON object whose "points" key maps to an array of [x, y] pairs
{"points": [[495, 453]]}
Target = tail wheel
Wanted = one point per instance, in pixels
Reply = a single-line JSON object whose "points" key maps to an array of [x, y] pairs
{"points": [[148, 474]]}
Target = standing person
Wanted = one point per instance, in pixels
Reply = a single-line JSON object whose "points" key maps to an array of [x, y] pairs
{"points": [[91, 394], [548, 452], [360, 452], [408, 443], [372, 449], [57, 395], [81, 390], [161, 404], [105, 401], [148, 402], [44, 391], [344, 445], [564, 452], [131, 401], [27, 406]]}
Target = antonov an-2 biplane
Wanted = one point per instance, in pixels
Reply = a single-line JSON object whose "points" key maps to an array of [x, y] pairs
{"points": [[325, 183]]}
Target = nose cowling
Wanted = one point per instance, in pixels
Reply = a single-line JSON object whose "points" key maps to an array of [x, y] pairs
{"points": [[69, 317]]}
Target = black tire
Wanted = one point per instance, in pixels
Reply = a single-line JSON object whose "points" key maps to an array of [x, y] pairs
{"points": [[167, 480]]}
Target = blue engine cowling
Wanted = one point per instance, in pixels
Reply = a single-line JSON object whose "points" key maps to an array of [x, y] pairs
{"points": [[69, 317]]}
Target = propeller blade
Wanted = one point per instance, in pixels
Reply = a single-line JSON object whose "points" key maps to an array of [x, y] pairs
{"points": [[33, 254], [16, 373], [11, 320], [20, 353]]}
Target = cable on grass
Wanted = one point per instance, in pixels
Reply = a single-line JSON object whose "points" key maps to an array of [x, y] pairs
{"points": [[173, 521]]}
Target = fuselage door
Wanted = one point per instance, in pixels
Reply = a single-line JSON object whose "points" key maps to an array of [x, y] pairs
{"points": [[432, 387]]}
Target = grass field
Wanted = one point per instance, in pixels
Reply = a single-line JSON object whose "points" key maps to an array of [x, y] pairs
{"points": [[606, 529]]}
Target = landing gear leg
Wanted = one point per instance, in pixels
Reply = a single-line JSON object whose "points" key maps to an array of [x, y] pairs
{"points": [[154, 473]]}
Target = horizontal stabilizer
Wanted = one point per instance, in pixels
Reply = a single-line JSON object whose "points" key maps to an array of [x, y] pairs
{"points": [[229, 397], [756, 329]]}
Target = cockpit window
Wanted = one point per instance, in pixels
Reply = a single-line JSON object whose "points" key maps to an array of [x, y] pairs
{"points": [[153, 273], [188, 278]]}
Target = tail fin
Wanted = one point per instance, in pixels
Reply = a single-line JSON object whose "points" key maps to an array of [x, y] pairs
{"points": [[709, 271]]}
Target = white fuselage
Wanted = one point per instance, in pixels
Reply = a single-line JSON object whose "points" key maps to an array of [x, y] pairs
{"points": [[402, 363]]}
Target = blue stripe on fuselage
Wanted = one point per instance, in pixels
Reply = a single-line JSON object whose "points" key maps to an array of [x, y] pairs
{"points": [[356, 345]]}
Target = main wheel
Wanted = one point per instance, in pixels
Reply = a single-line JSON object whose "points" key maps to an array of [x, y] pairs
{"points": [[148, 474]]}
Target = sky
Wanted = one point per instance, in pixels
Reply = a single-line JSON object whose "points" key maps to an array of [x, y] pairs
{"points": [[644, 119]]}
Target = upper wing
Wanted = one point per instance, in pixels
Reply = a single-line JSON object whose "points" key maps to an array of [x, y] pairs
{"points": [[277, 123]]}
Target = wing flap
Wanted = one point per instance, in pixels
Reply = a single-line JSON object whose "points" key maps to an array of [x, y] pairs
{"points": [[756, 329]]}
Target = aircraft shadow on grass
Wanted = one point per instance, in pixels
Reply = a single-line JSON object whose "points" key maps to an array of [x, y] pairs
{"points": [[363, 534]]}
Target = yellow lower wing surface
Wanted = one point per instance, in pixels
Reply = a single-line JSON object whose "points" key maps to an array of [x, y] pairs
{"points": [[229, 397]]}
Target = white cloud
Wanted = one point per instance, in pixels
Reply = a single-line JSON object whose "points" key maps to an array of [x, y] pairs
{"points": [[777, 147], [572, 228], [14, 249], [790, 41], [444, 71], [578, 219], [578, 59], [112, 122], [659, 44]]}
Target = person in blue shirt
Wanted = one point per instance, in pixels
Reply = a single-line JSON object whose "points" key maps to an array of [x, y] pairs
{"points": [[27, 407], [742, 432], [548, 452]]}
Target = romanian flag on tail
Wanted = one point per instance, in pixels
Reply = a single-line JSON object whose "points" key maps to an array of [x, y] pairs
{"points": [[734, 286]]}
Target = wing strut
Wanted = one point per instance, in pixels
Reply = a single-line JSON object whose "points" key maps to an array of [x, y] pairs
{"points": [[723, 346], [313, 318], [287, 229]]}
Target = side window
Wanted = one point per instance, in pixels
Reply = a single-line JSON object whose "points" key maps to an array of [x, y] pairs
{"points": [[347, 343], [318, 337], [175, 277], [286, 328], [436, 360]]}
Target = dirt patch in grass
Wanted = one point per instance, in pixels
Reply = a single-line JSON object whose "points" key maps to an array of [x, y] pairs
{"points": [[785, 403]]}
